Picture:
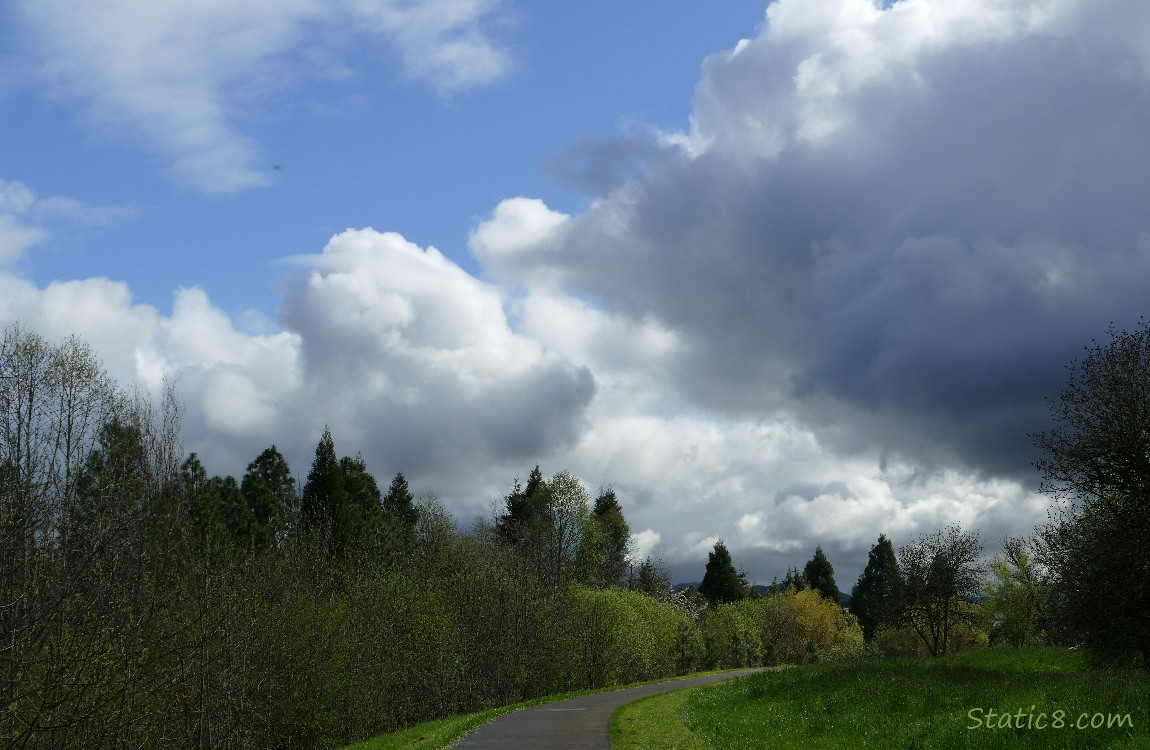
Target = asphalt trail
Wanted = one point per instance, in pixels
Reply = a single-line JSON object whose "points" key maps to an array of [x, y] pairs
{"points": [[582, 723]]}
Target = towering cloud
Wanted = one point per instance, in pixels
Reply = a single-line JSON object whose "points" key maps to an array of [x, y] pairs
{"points": [[895, 223], [831, 306]]}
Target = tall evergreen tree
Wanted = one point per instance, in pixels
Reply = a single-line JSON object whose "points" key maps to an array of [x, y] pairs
{"points": [[820, 576], [614, 541], [399, 504], [524, 505], [114, 483], [876, 597], [361, 513], [269, 490], [400, 521], [200, 504], [721, 582], [323, 493]]}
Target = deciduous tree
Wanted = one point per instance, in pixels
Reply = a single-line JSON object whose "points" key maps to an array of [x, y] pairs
{"points": [[1015, 595], [1096, 465], [941, 573]]}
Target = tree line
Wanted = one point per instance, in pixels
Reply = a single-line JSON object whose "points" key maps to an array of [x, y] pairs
{"points": [[145, 603]]}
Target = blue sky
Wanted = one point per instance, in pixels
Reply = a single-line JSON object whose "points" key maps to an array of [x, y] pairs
{"points": [[372, 147], [787, 274]]}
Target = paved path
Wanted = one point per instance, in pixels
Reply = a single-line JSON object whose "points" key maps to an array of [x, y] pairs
{"points": [[574, 724]]}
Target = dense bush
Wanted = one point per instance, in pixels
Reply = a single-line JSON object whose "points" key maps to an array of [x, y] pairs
{"points": [[789, 627]]}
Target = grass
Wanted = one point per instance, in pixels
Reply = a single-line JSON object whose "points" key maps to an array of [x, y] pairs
{"points": [[915, 705], [655, 723], [443, 733]]}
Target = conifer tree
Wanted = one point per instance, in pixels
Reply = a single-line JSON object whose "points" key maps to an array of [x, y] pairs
{"points": [[269, 490], [399, 521], [234, 512], [361, 514], [323, 493], [820, 576], [875, 599], [722, 584], [614, 541], [202, 504], [795, 580], [524, 505], [399, 504], [652, 578]]}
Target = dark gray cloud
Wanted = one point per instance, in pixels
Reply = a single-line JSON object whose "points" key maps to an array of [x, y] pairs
{"points": [[904, 258]]}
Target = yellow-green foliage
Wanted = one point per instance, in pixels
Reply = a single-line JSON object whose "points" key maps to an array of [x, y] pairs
{"points": [[790, 628], [821, 624], [733, 634], [618, 636], [1014, 599]]}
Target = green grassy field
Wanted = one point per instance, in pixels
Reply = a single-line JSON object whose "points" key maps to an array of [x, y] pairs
{"points": [[1040, 698]]}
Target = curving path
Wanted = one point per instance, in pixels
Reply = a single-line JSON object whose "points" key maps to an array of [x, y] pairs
{"points": [[582, 723]]}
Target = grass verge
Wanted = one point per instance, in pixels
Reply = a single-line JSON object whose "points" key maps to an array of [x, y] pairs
{"points": [[655, 723], [442, 733], [942, 704]]}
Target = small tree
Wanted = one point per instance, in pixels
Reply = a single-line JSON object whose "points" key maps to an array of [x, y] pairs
{"points": [[1015, 595], [652, 577], [794, 580], [941, 573], [1096, 464], [820, 576]]}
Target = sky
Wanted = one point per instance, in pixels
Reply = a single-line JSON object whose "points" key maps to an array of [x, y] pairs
{"points": [[785, 275]]}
